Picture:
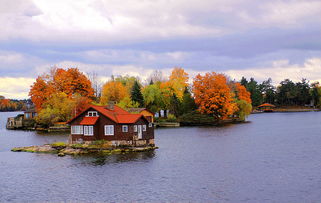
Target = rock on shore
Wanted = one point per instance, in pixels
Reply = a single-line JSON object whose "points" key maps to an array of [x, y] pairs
{"points": [[79, 149]]}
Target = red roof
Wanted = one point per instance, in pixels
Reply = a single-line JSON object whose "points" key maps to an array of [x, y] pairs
{"points": [[89, 121], [266, 105], [117, 114]]}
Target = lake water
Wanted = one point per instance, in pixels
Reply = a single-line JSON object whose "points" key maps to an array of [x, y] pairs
{"points": [[275, 157]]}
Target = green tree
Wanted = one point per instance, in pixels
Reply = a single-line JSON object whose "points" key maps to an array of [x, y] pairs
{"points": [[286, 93], [153, 98], [268, 91], [303, 92], [243, 81], [175, 105], [256, 95], [136, 94], [188, 102], [244, 109], [315, 93]]}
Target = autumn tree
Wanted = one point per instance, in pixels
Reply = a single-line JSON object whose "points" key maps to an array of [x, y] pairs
{"points": [[242, 93], [178, 81], [41, 90], [213, 95], [59, 107], [70, 82], [113, 91], [127, 81], [243, 101], [127, 102]]}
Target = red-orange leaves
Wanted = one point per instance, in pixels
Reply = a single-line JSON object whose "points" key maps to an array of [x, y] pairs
{"points": [[213, 95], [71, 82], [242, 93]]}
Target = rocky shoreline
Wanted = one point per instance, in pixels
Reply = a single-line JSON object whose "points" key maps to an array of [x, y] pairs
{"points": [[62, 149]]}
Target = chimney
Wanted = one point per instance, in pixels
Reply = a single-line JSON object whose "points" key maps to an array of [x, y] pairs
{"points": [[111, 105]]}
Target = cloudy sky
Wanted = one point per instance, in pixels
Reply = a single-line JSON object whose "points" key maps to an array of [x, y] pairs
{"points": [[270, 38]]}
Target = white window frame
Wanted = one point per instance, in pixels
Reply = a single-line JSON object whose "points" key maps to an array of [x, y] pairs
{"points": [[135, 128], [92, 114], [77, 130], [88, 130], [109, 129], [150, 125], [124, 128], [144, 127]]}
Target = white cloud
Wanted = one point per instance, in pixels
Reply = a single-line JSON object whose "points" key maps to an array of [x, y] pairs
{"points": [[15, 88], [115, 21]]}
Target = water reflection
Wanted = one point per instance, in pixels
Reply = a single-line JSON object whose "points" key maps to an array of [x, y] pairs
{"points": [[99, 160]]}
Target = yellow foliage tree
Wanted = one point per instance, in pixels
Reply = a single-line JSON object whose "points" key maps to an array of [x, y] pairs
{"points": [[113, 91], [178, 81], [59, 107]]}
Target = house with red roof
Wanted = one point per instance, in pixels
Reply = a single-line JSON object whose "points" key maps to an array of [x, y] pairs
{"points": [[111, 123]]}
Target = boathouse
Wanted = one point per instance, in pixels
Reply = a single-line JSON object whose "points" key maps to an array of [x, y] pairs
{"points": [[111, 123]]}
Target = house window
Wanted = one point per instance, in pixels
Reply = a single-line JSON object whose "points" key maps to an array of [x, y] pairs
{"points": [[92, 114], [135, 128], [77, 130], [144, 127], [27, 115], [88, 130], [125, 128], [150, 125], [109, 129]]}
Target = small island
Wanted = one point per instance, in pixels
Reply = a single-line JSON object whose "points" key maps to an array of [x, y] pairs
{"points": [[98, 147], [103, 129]]}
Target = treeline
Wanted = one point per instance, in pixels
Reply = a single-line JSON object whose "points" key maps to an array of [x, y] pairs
{"points": [[61, 94], [287, 93], [12, 104]]}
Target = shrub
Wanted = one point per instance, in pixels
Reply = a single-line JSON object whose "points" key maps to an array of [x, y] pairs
{"points": [[196, 118], [171, 118], [58, 144]]}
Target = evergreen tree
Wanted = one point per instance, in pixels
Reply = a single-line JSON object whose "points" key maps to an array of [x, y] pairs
{"points": [[244, 81], [136, 94], [268, 91], [174, 105], [256, 95], [188, 102]]}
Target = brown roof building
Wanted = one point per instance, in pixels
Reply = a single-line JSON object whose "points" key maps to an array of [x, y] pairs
{"points": [[111, 123]]}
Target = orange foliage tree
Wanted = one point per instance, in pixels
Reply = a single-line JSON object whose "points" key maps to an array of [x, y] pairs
{"points": [[213, 95], [72, 82], [113, 91], [242, 93]]}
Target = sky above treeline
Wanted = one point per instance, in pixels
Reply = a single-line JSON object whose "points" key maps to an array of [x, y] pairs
{"points": [[273, 38]]}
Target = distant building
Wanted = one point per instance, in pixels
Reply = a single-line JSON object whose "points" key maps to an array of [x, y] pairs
{"points": [[111, 123], [30, 114], [15, 122], [145, 112]]}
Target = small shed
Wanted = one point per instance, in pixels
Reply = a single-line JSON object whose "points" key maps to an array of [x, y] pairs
{"points": [[145, 112]]}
